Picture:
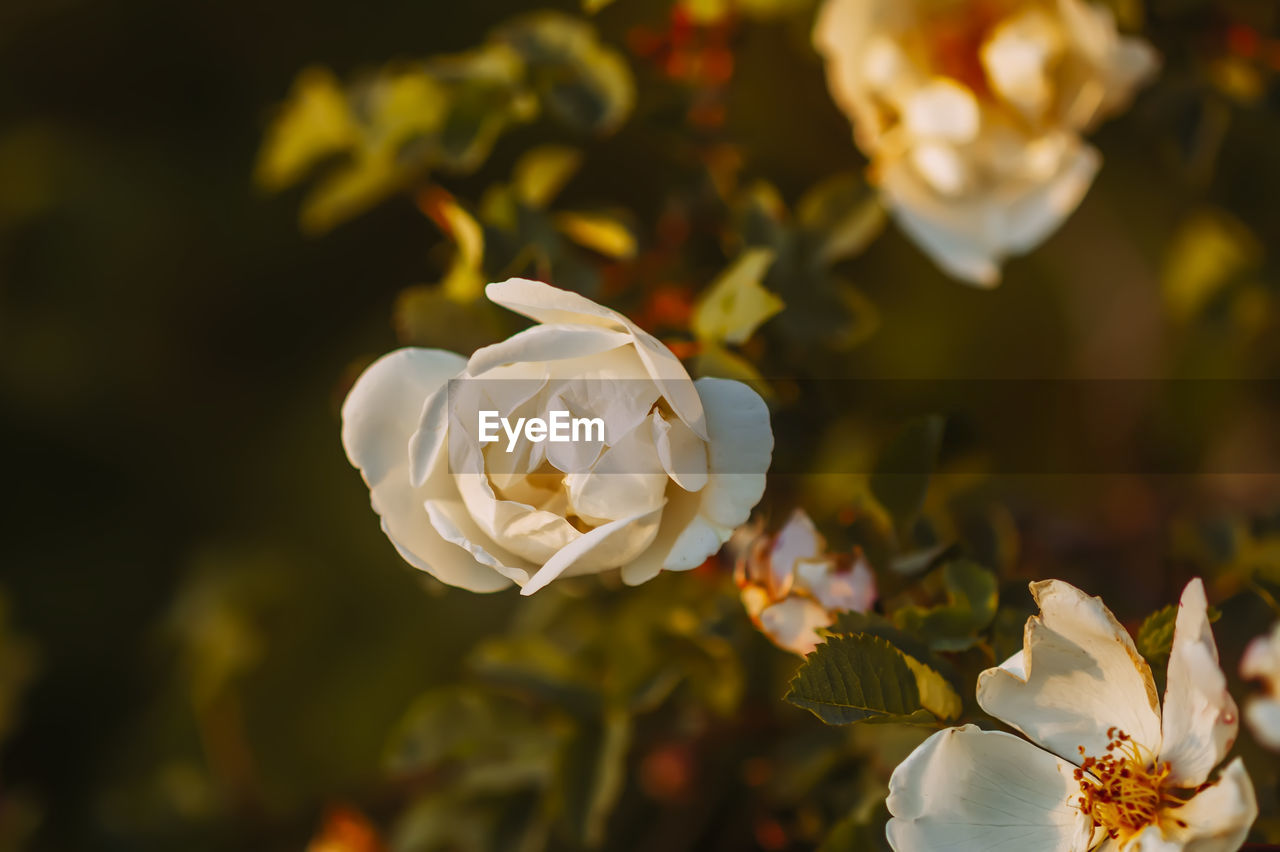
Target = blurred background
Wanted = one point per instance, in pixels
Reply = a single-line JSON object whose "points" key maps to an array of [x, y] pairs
{"points": [[208, 643]]}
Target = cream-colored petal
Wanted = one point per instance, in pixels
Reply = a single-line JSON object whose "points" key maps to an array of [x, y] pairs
{"points": [[450, 521], [682, 453], [1200, 717], [627, 480], [604, 547], [1030, 218], [555, 342], [378, 416], [548, 304], [739, 450], [1263, 716], [1216, 819], [1082, 675], [942, 167], [798, 540], [1018, 58], [684, 541], [793, 624], [943, 109], [953, 232], [381, 412], [1262, 657], [852, 590], [968, 790]]}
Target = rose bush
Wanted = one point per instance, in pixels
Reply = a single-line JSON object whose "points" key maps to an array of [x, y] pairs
{"points": [[681, 465], [972, 113]]}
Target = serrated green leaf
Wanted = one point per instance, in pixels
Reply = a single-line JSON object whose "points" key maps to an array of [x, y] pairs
{"points": [[857, 678], [936, 679], [901, 474], [972, 597], [737, 303]]}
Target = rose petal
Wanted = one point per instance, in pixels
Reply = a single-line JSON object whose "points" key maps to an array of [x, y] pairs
{"points": [[541, 343], [738, 452], [682, 453], [840, 591], [381, 412], [1080, 675], [798, 540], [684, 541], [378, 416], [604, 547], [548, 304], [1200, 717], [1263, 715], [627, 480], [793, 624], [968, 790]]}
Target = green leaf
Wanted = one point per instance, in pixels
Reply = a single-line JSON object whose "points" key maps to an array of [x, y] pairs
{"points": [[972, 596], [583, 82], [843, 215], [936, 679], [1155, 636], [857, 678], [737, 303], [537, 668], [314, 123], [901, 474], [593, 774], [541, 173], [599, 232]]}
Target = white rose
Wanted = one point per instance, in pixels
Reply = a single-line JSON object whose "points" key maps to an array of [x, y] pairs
{"points": [[792, 587], [682, 463], [971, 113]]}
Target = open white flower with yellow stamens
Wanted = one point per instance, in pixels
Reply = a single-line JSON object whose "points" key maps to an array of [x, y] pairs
{"points": [[792, 587], [1104, 768], [1261, 661], [972, 111]]}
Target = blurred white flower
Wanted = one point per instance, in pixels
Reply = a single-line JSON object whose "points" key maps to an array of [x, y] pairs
{"points": [[1261, 661], [791, 587], [681, 466], [1107, 771], [972, 111]]}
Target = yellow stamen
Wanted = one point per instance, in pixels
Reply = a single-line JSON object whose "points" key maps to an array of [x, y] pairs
{"points": [[1126, 789]]}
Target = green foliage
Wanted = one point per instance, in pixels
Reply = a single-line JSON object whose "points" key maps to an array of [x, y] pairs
{"points": [[835, 220], [858, 678], [971, 600], [385, 132], [901, 474], [1155, 636]]}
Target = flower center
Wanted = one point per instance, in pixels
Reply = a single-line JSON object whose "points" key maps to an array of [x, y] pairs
{"points": [[1125, 790]]}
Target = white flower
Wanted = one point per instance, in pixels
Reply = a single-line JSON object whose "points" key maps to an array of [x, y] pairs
{"points": [[1107, 771], [1262, 661], [972, 112], [791, 587], [681, 466]]}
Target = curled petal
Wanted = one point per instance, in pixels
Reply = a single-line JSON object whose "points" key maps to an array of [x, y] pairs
{"points": [[378, 417], [968, 790], [1077, 675], [1200, 717]]}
